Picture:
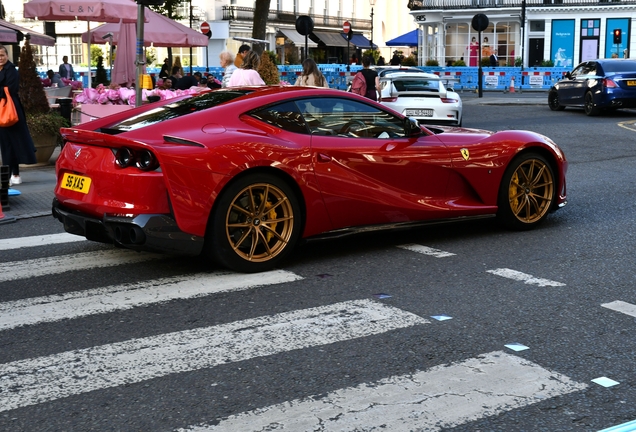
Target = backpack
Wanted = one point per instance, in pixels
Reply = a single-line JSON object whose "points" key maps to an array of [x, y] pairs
{"points": [[359, 84]]}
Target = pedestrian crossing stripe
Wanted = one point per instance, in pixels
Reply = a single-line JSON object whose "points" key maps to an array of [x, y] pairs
{"points": [[42, 379], [34, 241], [78, 304], [444, 396]]}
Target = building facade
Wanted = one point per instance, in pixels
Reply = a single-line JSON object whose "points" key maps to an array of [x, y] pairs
{"points": [[231, 25], [528, 32]]}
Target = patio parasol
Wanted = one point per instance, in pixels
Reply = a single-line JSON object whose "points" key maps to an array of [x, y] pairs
{"points": [[124, 68], [86, 10], [159, 31]]}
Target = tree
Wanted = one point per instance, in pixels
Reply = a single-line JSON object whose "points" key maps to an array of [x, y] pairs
{"points": [[169, 9], [100, 73], [259, 29], [32, 93], [267, 69]]}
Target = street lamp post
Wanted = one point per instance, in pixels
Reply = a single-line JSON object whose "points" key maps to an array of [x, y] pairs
{"points": [[372, 3]]}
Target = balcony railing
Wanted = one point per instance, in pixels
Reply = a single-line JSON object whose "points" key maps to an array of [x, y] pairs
{"points": [[243, 13], [476, 4]]}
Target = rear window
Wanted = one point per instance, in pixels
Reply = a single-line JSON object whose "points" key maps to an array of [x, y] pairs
{"points": [[619, 66], [175, 110], [417, 85]]}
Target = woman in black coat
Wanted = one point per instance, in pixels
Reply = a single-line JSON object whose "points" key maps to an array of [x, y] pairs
{"points": [[16, 144]]}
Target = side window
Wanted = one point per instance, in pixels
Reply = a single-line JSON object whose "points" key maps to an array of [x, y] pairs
{"points": [[284, 116], [579, 70], [349, 118]]}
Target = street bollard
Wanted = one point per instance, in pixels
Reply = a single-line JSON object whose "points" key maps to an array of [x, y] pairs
{"points": [[66, 106]]}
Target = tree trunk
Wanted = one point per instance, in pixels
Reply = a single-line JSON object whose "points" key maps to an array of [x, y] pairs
{"points": [[259, 31]]}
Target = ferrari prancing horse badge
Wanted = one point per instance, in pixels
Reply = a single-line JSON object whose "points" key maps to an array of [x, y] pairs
{"points": [[465, 153]]}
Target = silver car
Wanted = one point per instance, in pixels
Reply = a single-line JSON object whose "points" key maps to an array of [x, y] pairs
{"points": [[420, 95]]}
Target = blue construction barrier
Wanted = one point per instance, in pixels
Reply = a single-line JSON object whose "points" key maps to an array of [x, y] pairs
{"points": [[462, 78]]}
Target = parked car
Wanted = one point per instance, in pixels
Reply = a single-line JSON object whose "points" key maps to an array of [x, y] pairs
{"points": [[241, 175], [596, 86], [422, 96]]}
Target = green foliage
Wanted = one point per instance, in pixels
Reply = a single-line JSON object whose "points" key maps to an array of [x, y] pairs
{"points": [[31, 90], [272, 57], [151, 56], [459, 63], [372, 53], [169, 8], [96, 52], [46, 124], [268, 70], [100, 74], [547, 63], [39, 117], [518, 61], [485, 61]]}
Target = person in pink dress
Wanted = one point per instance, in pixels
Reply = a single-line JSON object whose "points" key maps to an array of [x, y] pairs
{"points": [[247, 74], [474, 48]]}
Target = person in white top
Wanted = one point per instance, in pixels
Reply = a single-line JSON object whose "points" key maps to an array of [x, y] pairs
{"points": [[311, 76], [247, 74], [227, 62]]}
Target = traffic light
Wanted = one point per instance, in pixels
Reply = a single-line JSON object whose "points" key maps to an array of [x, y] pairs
{"points": [[350, 35], [618, 36]]}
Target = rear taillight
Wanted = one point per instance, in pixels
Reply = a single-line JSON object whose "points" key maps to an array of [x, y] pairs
{"points": [[608, 83], [388, 99], [449, 100]]}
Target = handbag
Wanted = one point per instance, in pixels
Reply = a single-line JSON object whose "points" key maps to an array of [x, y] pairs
{"points": [[8, 114]]}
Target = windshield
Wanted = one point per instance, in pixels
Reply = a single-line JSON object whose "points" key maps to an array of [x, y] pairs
{"points": [[176, 109]]}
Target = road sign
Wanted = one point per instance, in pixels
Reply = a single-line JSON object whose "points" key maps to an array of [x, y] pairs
{"points": [[205, 28], [346, 27]]}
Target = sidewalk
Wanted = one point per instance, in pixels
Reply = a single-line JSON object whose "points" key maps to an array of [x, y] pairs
{"points": [[36, 191]]}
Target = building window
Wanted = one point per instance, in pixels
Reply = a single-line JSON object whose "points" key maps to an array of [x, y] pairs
{"points": [[591, 27], [537, 26], [462, 43]]}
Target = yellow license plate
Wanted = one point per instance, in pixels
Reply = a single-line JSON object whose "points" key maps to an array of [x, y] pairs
{"points": [[76, 183], [631, 83]]}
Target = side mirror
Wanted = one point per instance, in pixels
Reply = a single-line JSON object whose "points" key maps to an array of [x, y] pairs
{"points": [[568, 75], [411, 127]]}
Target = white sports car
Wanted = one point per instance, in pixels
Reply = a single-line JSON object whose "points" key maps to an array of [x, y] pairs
{"points": [[420, 95]]}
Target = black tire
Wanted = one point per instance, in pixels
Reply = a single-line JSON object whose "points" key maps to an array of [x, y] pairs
{"points": [[255, 225], [527, 192], [553, 101], [590, 108]]}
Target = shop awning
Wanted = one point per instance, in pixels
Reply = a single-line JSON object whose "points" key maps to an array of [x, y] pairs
{"points": [[407, 39], [18, 34], [330, 39], [297, 38], [359, 41]]}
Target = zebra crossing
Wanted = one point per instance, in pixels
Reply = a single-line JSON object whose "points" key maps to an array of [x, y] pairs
{"points": [[433, 398]]}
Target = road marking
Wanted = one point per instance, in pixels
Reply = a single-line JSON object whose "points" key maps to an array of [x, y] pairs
{"points": [[526, 278], [127, 296], [629, 125], [79, 261], [44, 240], [426, 250], [444, 396], [622, 307], [32, 381]]}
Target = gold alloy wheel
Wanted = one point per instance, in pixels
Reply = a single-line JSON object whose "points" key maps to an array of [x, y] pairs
{"points": [[259, 222], [531, 191]]}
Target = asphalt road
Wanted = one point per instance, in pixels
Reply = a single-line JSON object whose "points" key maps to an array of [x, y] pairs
{"points": [[399, 331]]}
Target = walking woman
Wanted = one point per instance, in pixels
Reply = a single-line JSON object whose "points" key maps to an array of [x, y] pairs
{"points": [[311, 76], [371, 77], [16, 144], [247, 74]]}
